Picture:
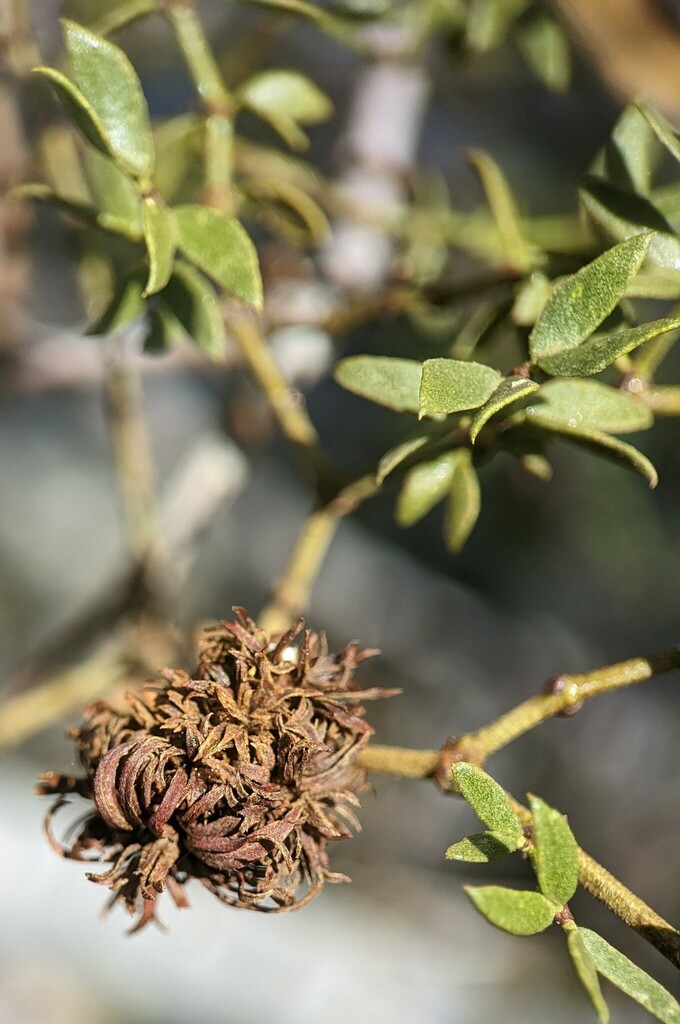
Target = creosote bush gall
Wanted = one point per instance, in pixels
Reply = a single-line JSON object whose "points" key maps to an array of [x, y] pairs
{"points": [[239, 776]]}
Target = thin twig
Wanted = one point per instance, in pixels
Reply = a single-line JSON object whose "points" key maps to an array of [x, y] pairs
{"points": [[291, 594], [134, 463], [565, 695], [35, 709], [290, 413]]}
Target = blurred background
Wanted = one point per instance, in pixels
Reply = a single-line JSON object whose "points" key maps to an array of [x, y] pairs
{"points": [[557, 577]]}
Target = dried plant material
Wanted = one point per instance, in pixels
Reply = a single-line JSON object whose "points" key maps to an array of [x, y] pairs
{"points": [[239, 777]]}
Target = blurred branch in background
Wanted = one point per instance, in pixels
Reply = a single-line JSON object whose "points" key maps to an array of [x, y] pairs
{"points": [[634, 45]]}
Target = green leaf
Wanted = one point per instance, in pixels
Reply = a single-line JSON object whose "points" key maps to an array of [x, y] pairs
{"points": [[392, 459], [109, 83], [517, 252], [126, 305], [664, 131], [621, 214], [113, 191], [599, 443], [530, 299], [192, 301], [582, 301], [618, 969], [545, 48], [484, 847], [512, 910], [77, 108], [489, 22], [486, 798], [451, 385], [585, 968], [221, 248], [178, 145], [286, 99], [382, 379], [591, 405], [536, 464], [86, 212], [510, 390], [165, 330], [287, 210], [601, 351], [159, 236], [424, 486], [462, 510], [628, 157], [556, 860]]}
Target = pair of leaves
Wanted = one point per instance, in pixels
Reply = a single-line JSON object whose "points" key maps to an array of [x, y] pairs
{"points": [[450, 476], [562, 341], [432, 388], [187, 305]]}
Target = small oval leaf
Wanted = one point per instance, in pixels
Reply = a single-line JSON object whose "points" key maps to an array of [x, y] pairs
{"points": [[663, 129], [620, 214], [220, 246], [392, 459], [113, 192], [159, 236], [424, 486], [582, 301], [512, 910], [192, 301], [109, 83], [451, 385], [126, 305], [394, 383], [286, 100], [546, 50], [465, 499], [591, 405], [487, 799], [77, 108], [587, 972], [631, 979], [556, 857], [517, 253], [510, 390], [603, 444], [599, 352], [484, 847]]}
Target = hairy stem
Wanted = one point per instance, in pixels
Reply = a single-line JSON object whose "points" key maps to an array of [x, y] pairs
{"points": [[565, 695], [218, 103], [291, 594], [199, 58]]}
